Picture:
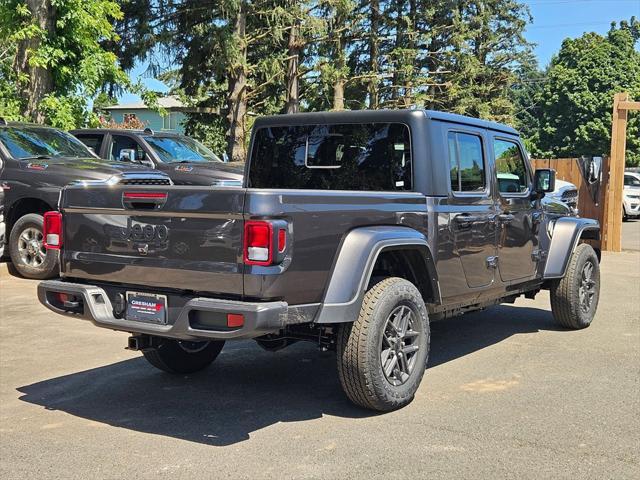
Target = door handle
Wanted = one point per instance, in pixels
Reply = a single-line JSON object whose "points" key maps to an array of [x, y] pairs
{"points": [[505, 218]]}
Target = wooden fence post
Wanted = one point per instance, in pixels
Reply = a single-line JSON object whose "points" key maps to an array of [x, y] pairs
{"points": [[612, 218]]}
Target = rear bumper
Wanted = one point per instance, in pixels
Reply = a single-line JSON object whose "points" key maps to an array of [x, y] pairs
{"points": [[260, 318]]}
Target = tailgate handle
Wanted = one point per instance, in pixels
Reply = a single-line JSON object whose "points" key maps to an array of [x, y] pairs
{"points": [[144, 200]]}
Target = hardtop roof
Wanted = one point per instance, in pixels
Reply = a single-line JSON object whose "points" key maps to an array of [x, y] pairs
{"points": [[370, 116]]}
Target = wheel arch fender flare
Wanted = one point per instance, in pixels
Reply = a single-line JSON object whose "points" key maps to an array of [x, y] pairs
{"points": [[354, 263], [566, 233]]}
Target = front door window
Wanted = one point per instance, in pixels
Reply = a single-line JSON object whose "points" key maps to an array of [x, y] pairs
{"points": [[510, 167]]}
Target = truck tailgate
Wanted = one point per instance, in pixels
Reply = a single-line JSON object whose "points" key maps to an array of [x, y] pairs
{"points": [[187, 238]]}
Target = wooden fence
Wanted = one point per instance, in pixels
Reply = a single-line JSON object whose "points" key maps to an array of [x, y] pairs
{"points": [[568, 169]]}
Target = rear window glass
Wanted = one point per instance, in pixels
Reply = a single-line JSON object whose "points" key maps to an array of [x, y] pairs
{"points": [[373, 156]]}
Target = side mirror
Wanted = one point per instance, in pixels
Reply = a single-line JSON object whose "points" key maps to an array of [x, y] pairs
{"points": [[127, 155], [544, 180]]}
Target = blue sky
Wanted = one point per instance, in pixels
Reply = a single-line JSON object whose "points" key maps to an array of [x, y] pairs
{"points": [[553, 21]]}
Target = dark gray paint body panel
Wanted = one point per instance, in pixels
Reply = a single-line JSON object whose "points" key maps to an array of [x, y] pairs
{"points": [[319, 222], [354, 266], [565, 238], [200, 251]]}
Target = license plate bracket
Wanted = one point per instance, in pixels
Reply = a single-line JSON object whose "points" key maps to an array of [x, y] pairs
{"points": [[146, 307]]}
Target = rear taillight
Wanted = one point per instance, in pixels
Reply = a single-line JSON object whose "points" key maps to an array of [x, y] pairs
{"points": [[282, 240], [52, 230], [258, 243]]}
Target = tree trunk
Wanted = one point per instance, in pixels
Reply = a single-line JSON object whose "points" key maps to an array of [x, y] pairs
{"points": [[411, 43], [40, 79], [237, 94], [338, 94], [397, 64], [341, 61], [293, 100], [374, 52]]}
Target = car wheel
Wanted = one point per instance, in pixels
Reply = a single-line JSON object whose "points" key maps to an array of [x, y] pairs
{"points": [[382, 356], [178, 356], [574, 298], [26, 248], [625, 217]]}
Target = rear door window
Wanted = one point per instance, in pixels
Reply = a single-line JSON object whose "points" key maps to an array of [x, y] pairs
{"points": [[373, 156], [94, 142], [466, 163]]}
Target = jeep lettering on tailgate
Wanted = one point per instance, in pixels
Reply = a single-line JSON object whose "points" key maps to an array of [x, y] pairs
{"points": [[156, 235]]}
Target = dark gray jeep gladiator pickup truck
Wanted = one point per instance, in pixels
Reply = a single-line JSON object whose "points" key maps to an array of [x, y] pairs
{"points": [[352, 229]]}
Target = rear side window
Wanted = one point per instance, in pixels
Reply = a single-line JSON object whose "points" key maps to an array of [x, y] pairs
{"points": [[373, 156], [94, 142], [466, 162]]}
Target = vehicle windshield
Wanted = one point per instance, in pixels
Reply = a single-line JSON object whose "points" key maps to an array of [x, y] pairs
{"points": [[175, 149], [631, 181], [28, 142]]}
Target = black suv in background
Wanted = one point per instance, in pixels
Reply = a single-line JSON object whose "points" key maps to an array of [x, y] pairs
{"points": [[37, 161], [185, 160]]}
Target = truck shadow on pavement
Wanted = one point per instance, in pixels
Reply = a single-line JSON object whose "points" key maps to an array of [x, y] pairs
{"points": [[248, 389]]}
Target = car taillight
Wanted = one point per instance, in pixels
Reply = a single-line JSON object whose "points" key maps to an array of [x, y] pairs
{"points": [[282, 240], [52, 230], [258, 243]]}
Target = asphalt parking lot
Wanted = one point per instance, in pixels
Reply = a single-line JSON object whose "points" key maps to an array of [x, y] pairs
{"points": [[507, 395], [631, 235]]}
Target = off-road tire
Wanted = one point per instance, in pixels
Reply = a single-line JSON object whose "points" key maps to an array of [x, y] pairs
{"points": [[565, 293], [170, 356], [49, 267], [359, 347]]}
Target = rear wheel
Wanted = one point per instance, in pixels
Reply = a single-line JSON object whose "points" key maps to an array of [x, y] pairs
{"points": [[178, 356], [26, 247], [574, 298], [382, 356]]}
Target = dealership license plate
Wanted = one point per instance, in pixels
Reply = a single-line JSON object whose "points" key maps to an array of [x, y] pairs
{"points": [[146, 307]]}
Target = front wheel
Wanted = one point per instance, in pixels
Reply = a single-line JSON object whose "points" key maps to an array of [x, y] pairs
{"points": [[26, 247], [574, 298], [382, 356], [178, 356]]}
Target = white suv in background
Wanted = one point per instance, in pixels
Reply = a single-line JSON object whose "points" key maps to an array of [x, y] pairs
{"points": [[631, 195], [567, 193]]}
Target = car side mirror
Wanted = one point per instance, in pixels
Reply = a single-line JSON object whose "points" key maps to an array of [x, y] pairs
{"points": [[544, 180], [127, 155]]}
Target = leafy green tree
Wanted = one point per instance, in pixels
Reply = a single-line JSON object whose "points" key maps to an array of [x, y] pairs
{"points": [[58, 61], [577, 97]]}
